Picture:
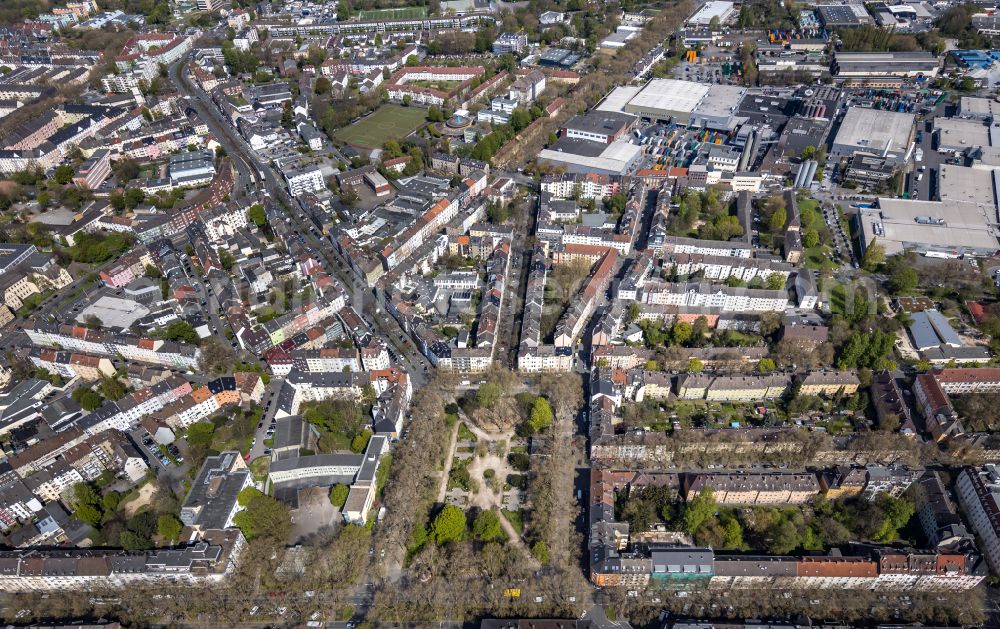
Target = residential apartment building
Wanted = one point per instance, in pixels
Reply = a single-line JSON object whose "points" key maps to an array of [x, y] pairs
{"points": [[721, 268], [72, 365], [978, 491], [208, 560], [963, 381], [130, 347], [704, 295], [302, 180], [619, 559], [750, 488], [92, 173], [129, 267], [829, 383], [213, 501], [513, 43], [585, 186]]}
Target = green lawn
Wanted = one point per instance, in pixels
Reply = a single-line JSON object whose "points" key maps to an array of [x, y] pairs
{"points": [[259, 468], [400, 13], [820, 258], [516, 519], [388, 121], [444, 86]]}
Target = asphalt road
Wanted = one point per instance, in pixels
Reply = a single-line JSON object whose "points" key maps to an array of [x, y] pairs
{"points": [[250, 166], [270, 405]]}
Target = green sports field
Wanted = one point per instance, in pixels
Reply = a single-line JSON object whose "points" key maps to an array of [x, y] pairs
{"points": [[401, 13], [388, 121]]}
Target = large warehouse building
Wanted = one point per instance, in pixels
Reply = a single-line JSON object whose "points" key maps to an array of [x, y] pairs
{"points": [[687, 102], [840, 15], [876, 64], [579, 156], [721, 9], [960, 134], [874, 131], [950, 228]]}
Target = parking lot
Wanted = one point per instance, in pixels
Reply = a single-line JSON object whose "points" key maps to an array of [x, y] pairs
{"points": [[156, 458], [714, 65]]}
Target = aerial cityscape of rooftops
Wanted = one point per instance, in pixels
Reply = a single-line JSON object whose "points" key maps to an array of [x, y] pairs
{"points": [[593, 314]]}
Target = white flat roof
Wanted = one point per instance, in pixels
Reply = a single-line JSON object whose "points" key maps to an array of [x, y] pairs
{"points": [[714, 8], [615, 158], [875, 129], [722, 100], [621, 151], [618, 98], [972, 185], [962, 132], [670, 95], [114, 312], [966, 225]]}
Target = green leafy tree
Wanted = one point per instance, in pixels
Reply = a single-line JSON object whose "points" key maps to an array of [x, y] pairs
{"points": [[338, 495], [903, 280], [766, 365], [449, 525], [256, 214], [681, 332], [88, 399], [778, 219], [226, 259], [541, 415], [391, 149], [201, 433], [130, 540], [519, 119], [88, 513], [734, 534], [775, 282], [486, 527], [264, 518], [111, 500], [360, 441], [133, 197], [695, 366], [898, 512], [699, 510], [634, 311], [112, 388], [874, 256], [489, 394], [247, 494], [540, 551], [169, 527], [784, 538], [63, 174], [87, 504], [180, 331]]}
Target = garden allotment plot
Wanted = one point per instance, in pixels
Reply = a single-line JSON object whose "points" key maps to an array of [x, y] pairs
{"points": [[388, 122]]}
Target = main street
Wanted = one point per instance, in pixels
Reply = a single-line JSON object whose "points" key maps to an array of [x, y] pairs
{"points": [[248, 165]]}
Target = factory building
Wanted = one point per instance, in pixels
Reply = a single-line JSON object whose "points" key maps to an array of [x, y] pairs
{"points": [[882, 64], [876, 132], [694, 104]]}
